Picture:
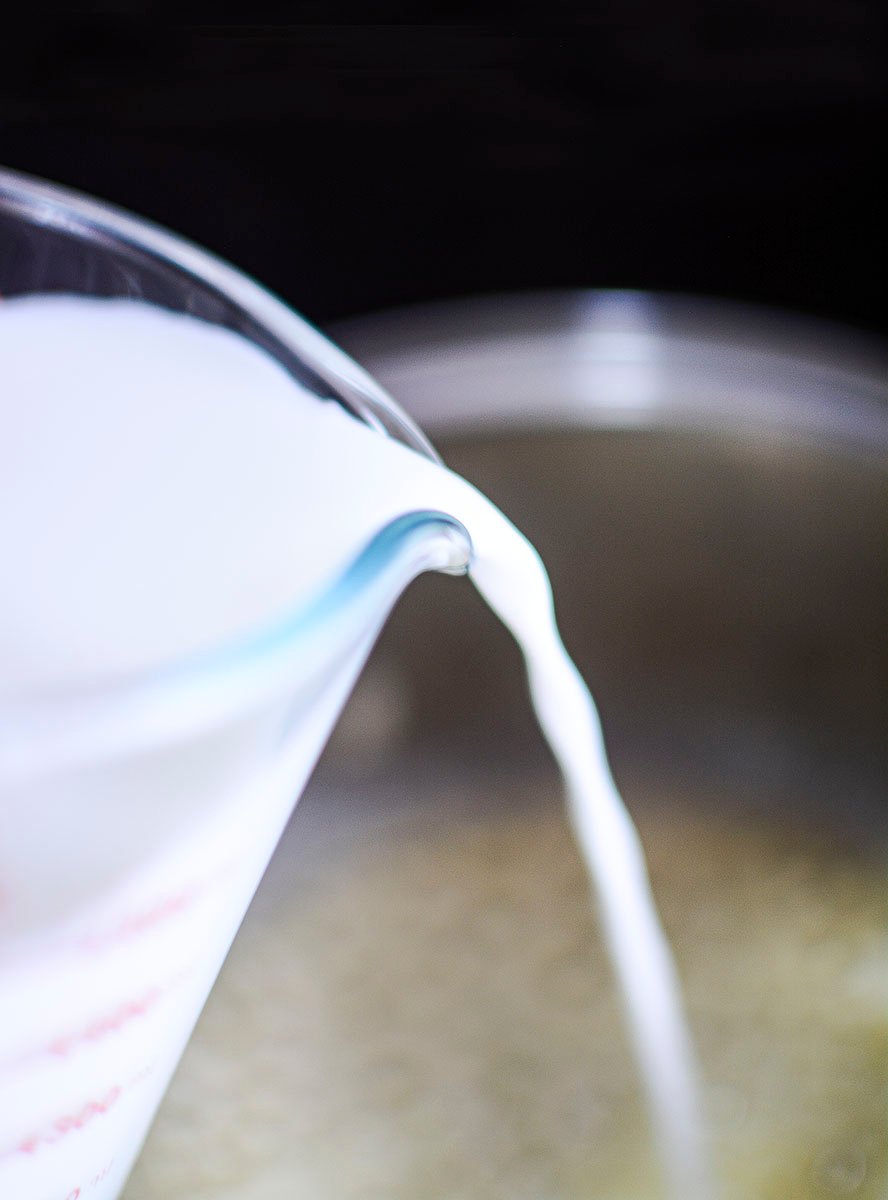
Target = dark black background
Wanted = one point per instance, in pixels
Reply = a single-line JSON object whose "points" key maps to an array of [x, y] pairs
{"points": [[734, 150]]}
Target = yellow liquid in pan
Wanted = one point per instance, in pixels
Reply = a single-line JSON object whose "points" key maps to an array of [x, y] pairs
{"points": [[426, 1011]]}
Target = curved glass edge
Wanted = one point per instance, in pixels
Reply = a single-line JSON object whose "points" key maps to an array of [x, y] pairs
{"points": [[48, 204], [622, 359], [45, 733], [432, 327]]}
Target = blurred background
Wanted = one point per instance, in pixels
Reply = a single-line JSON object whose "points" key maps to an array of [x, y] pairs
{"points": [[360, 164], [420, 995]]}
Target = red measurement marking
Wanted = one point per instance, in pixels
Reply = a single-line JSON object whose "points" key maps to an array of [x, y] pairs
{"points": [[98, 1027], [69, 1123], [73, 1122], [140, 922], [109, 1023], [162, 910], [102, 1174], [75, 1193]]}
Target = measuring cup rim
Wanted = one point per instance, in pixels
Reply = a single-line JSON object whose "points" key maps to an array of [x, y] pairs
{"points": [[336, 375], [120, 711]]}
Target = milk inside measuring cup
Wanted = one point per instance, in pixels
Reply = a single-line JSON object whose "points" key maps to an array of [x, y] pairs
{"points": [[168, 490]]}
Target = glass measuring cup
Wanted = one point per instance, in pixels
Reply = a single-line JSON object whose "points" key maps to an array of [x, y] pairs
{"points": [[136, 817]]}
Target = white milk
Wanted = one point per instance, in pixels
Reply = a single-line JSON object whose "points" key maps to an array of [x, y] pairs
{"points": [[165, 487]]}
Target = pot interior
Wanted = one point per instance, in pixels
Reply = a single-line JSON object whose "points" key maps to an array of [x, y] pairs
{"points": [[419, 1004]]}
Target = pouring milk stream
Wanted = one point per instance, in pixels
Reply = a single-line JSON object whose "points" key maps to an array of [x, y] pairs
{"points": [[166, 488]]}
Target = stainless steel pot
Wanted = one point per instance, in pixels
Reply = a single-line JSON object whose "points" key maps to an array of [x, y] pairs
{"points": [[708, 485], [418, 1005]]}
